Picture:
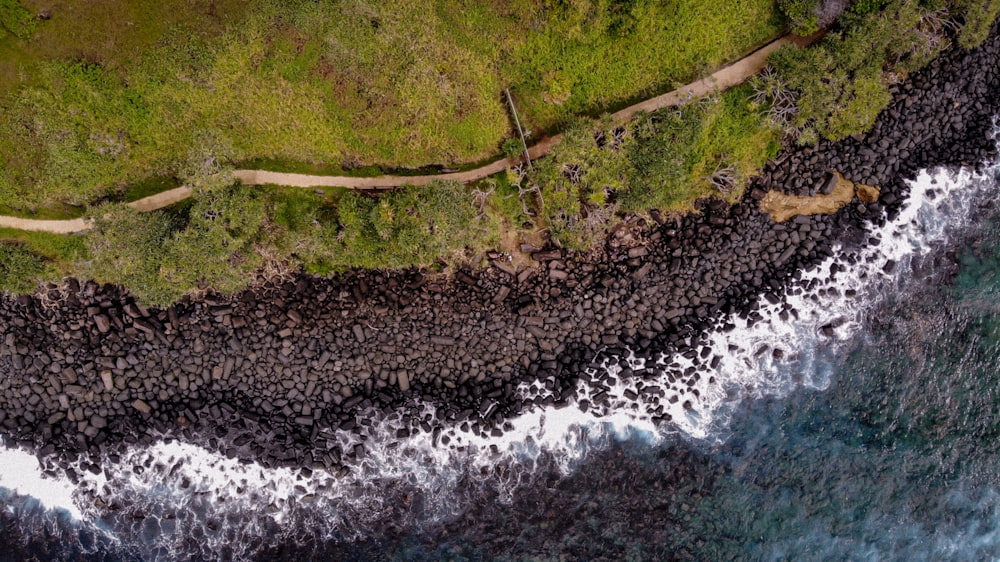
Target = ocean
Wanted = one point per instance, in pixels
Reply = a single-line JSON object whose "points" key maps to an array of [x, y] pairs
{"points": [[857, 418]]}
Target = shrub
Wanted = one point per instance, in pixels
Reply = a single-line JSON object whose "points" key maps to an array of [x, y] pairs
{"points": [[20, 268], [575, 180], [216, 248], [802, 15], [129, 248], [513, 148], [708, 147], [411, 226], [978, 16], [842, 83], [864, 7]]}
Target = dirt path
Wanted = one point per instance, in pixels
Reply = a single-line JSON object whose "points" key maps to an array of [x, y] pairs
{"points": [[146, 204], [722, 79]]}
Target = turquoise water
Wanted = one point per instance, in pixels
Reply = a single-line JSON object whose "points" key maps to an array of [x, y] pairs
{"points": [[898, 459]]}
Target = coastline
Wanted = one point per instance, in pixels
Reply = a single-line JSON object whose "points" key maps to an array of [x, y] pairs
{"points": [[461, 344]]}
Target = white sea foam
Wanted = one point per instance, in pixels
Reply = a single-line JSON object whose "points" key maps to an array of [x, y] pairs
{"points": [[185, 485], [21, 473]]}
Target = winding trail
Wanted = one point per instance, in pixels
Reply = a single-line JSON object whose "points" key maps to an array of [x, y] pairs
{"points": [[69, 226], [722, 79]]}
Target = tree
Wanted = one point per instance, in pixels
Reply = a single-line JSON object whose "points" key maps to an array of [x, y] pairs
{"points": [[129, 248], [216, 248]]}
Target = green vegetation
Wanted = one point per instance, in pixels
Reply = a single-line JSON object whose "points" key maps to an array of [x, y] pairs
{"points": [[106, 94], [407, 227], [128, 248], [20, 268], [842, 83], [15, 20], [230, 233], [704, 148], [161, 257], [802, 15], [978, 17], [665, 160], [29, 258], [590, 56], [332, 86]]}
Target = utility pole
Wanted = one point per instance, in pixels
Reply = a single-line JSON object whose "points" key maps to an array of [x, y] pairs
{"points": [[520, 131]]}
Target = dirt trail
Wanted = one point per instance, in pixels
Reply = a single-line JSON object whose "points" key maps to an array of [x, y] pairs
{"points": [[724, 78], [146, 204], [721, 79]]}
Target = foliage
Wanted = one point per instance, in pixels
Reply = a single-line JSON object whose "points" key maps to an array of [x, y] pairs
{"points": [[87, 110], [160, 259], [512, 148], [842, 83], [864, 7], [802, 15], [20, 268], [665, 160], [708, 147], [301, 229], [574, 182], [343, 84], [589, 55], [15, 19], [216, 248], [978, 17], [412, 226], [129, 248]]}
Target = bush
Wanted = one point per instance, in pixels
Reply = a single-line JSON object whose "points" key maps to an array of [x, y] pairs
{"points": [[864, 7], [802, 15], [20, 268], [411, 226], [978, 16], [576, 179], [842, 83], [216, 249], [513, 148], [709, 147], [129, 248], [160, 257]]}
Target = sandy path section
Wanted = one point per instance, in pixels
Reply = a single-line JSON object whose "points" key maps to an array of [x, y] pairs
{"points": [[724, 78], [54, 226], [146, 204]]}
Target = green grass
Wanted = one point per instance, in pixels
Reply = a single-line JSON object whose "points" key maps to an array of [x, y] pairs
{"points": [[593, 55], [124, 111], [50, 211], [149, 186], [30, 258], [145, 87]]}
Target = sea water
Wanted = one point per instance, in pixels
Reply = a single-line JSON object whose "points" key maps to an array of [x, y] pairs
{"points": [[858, 418]]}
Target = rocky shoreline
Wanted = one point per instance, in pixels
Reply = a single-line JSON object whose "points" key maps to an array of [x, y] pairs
{"points": [[270, 374]]}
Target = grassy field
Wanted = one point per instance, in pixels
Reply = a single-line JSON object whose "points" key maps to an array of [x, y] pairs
{"points": [[106, 93]]}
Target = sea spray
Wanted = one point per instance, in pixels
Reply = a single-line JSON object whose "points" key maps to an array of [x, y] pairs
{"points": [[22, 474], [176, 499]]}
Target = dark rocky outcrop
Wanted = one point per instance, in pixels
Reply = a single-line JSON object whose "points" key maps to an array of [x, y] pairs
{"points": [[270, 373]]}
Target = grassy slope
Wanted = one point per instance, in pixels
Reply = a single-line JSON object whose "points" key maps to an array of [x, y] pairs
{"points": [[104, 109], [90, 105]]}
